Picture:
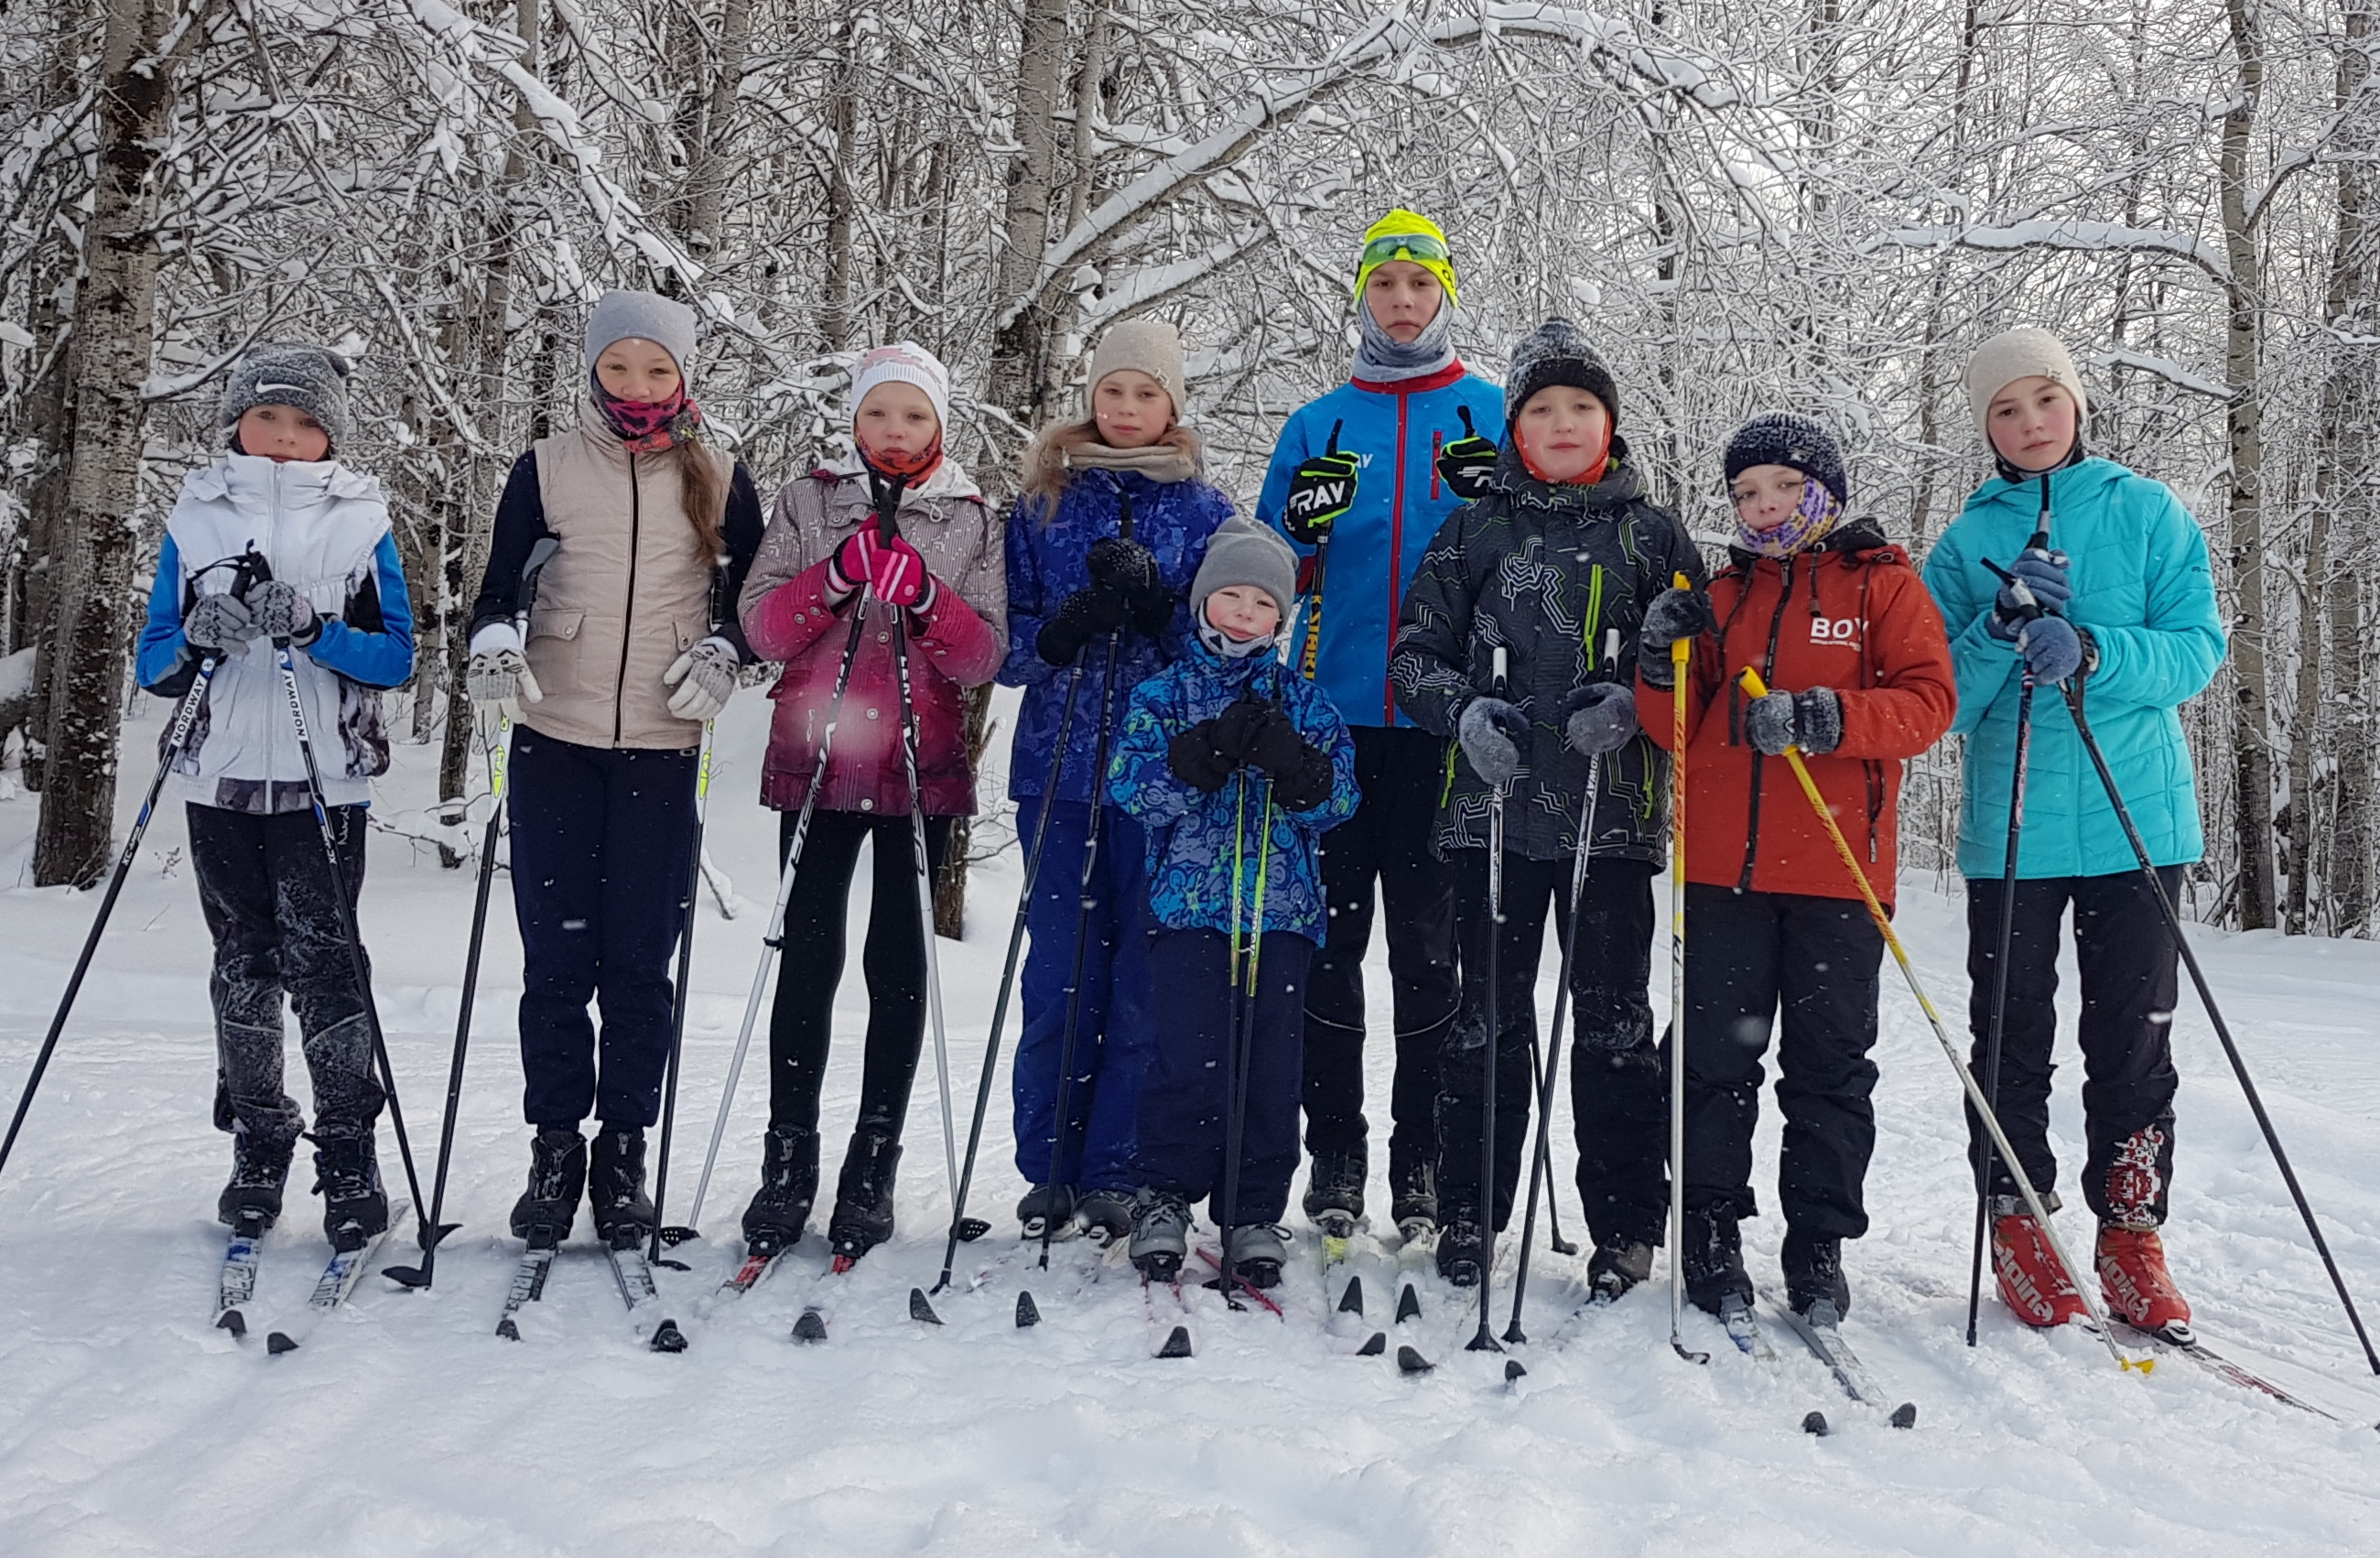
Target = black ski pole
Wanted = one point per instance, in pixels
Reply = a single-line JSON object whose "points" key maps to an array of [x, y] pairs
{"points": [[965, 1229], [680, 997], [422, 1275], [346, 916], [1483, 1342], [1239, 1043], [1092, 831], [2040, 543], [2214, 1015], [185, 716]]}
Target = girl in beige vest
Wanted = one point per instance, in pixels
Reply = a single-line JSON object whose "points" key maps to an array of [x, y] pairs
{"points": [[627, 649]]}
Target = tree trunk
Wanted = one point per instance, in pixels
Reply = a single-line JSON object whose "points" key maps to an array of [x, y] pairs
{"points": [[1020, 349], [2252, 729], [115, 321], [842, 113]]}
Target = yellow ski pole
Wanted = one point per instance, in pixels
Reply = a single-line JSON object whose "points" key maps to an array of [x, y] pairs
{"points": [[1681, 656], [1754, 687]]}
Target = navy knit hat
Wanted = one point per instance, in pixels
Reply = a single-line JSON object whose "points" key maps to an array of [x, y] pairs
{"points": [[1783, 438], [311, 379], [1557, 352]]}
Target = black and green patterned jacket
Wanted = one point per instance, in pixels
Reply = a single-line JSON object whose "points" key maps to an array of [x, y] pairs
{"points": [[1542, 571]]}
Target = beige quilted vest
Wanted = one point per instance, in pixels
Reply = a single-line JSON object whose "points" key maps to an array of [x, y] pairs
{"points": [[623, 597]]}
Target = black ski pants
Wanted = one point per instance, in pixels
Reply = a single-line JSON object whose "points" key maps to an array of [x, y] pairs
{"points": [[603, 839], [264, 888], [1620, 1101], [801, 1023], [1753, 959], [1385, 846], [1184, 1107], [2131, 983]]}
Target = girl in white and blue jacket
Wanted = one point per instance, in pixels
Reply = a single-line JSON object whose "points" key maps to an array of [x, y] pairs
{"points": [[279, 541]]}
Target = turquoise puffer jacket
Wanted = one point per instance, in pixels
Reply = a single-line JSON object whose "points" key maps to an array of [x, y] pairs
{"points": [[2145, 591]]}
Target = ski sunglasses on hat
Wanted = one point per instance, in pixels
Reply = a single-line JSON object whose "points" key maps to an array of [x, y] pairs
{"points": [[1418, 247]]}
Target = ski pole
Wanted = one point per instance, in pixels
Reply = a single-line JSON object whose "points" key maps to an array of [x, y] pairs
{"points": [[1541, 1168], [422, 1275], [185, 716], [772, 940], [1481, 1341], [1092, 831], [1754, 687], [682, 995], [1240, 1040], [965, 1229], [2214, 1015], [1680, 660], [2039, 542], [286, 658]]}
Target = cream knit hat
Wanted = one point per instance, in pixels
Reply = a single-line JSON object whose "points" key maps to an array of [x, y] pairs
{"points": [[1149, 344], [2021, 353]]}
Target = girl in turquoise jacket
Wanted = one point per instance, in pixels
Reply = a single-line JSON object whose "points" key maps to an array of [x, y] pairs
{"points": [[2128, 615]]}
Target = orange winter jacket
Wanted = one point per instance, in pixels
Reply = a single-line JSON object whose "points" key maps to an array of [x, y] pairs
{"points": [[1851, 615]]}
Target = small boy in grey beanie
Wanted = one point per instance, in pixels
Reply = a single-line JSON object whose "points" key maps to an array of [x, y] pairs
{"points": [[312, 380]]}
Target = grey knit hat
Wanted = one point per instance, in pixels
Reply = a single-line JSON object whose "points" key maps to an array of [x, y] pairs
{"points": [[2021, 353], [1783, 438], [311, 379], [1558, 352], [648, 316], [1242, 551], [1149, 344]]}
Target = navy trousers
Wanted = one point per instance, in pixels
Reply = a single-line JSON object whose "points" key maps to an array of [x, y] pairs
{"points": [[602, 842], [1114, 1024], [1186, 1109]]}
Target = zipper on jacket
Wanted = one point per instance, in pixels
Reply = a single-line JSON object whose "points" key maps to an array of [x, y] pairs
{"points": [[1768, 673], [629, 610], [1396, 565]]}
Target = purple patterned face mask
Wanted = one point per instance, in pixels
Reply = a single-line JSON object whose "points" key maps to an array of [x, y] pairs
{"points": [[1803, 529]]}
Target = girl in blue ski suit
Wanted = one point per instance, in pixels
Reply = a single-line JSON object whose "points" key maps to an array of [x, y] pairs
{"points": [[1235, 766], [278, 541], [1083, 593]]}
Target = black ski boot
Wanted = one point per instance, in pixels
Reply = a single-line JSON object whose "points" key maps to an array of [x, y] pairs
{"points": [[781, 1208], [1105, 1216], [1618, 1264], [1046, 1209], [615, 1188], [1813, 1273], [259, 1171], [1160, 1236], [1334, 1192], [1258, 1253], [557, 1178], [346, 1173], [1714, 1258], [1415, 1206], [863, 1196], [1462, 1250]]}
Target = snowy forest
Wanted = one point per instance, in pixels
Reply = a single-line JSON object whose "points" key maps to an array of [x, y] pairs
{"points": [[1824, 204]]}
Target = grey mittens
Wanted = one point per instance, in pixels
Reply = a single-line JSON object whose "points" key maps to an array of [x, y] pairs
{"points": [[1811, 720], [1490, 730], [1598, 718], [705, 678], [219, 625]]}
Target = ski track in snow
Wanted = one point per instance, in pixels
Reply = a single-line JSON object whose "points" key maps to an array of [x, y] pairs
{"points": [[404, 1427]]}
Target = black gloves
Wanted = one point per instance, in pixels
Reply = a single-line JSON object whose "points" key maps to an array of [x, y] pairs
{"points": [[1195, 760], [1467, 466], [1674, 614], [1081, 617], [1319, 492], [1300, 771], [1130, 570], [1255, 735]]}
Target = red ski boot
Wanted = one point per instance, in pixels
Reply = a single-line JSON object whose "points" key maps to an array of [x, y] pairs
{"points": [[2032, 1282], [2132, 1276]]}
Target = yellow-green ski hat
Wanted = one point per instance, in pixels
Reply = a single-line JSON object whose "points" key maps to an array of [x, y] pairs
{"points": [[1407, 235]]}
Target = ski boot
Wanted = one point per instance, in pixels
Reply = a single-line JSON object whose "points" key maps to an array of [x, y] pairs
{"points": [[1105, 1216], [2031, 1281], [1714, 1258], [347, 1173], [1334, 1192], [251, 1202], [615, 1188], [1461, 1252], [1258, 1251], [781, 1208], [1618, 1264], [1160, 1236], [862, 1197], [2133, 1278], [1415, 1206], [1046, 1209], [1814, 1274], [557, 1178]]}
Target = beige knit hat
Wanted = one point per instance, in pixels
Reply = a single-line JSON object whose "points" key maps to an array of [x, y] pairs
{"points": [[1149, 344], [2021, 353]]}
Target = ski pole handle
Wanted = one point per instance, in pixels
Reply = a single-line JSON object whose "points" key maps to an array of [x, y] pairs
{"points": [[1681, 649], [1495, 670]]}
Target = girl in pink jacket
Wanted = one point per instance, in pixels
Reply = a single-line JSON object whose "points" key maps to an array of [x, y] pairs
{"points": [[823, 559]]}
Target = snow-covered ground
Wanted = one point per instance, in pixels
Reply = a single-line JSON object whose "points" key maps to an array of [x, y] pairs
{"points": [[404, 1427]]}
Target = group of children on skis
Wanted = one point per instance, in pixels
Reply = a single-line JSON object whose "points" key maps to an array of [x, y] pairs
{"points": [[1446, 629]]}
